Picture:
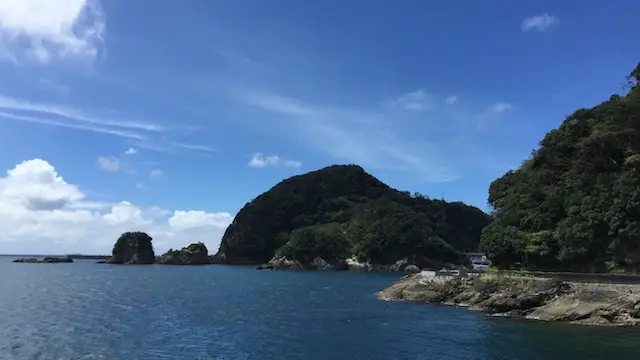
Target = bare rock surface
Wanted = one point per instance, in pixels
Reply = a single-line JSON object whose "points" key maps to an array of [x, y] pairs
{"points": [[529, 298]]}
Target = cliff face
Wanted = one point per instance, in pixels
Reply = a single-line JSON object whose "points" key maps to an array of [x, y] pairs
{"points": [[529, 298], [194, 254], [339, 212], [132, 248]]}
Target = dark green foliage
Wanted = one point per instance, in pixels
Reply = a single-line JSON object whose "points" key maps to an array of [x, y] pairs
{"points": [[385, 231], [341, 210], [133, 248], [575, 203], [194, 254], [327, 241]]}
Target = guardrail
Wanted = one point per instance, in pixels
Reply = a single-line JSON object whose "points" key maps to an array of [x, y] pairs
{"points": [[629, 279]]}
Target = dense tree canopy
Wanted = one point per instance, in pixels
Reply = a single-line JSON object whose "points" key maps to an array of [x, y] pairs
{"points": [[575, 203], [133, 248], [341, 211]]}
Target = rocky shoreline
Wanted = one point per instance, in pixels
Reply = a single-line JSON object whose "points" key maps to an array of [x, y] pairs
{"points": [[318, 263], [524, 297]]}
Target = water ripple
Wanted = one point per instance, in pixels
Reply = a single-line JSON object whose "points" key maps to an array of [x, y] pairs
{"points": [[90, 311]]}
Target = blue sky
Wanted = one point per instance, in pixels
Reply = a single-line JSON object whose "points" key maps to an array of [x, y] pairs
{"points": [[220, 100]]}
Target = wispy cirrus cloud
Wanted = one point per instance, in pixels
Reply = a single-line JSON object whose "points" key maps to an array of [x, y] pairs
{"points": [[414, 100], [205, 148], [141, 134], [276, 103], [9, 103], [357, 135], [76, 126]]}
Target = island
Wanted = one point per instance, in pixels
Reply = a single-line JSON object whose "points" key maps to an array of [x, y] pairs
{"points": [[572, 207], [136, 248], [133, 248], [194, 254], [342, 217], [44, 260]]}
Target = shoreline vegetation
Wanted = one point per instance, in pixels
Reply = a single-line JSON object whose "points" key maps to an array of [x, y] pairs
{"points": [[572, 206], [342, 217]]}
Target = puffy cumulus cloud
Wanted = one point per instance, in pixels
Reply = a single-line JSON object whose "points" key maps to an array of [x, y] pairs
{"points": [[41, 213], [259, 160], [44, 30], [539, 23]]}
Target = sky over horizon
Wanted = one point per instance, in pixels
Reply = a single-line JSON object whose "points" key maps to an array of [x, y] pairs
{"points": [[168, 116]]}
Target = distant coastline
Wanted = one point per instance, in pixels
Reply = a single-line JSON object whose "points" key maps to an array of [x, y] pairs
{"points": [[68, 256]]}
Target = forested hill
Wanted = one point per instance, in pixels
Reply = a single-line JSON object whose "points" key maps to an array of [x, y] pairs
{"points": [[575, 203], [341, 211]]}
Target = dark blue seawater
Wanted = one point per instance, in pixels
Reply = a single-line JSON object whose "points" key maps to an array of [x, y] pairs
{"points": [[92, 311]]}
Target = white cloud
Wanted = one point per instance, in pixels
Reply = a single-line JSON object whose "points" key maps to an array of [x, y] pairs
{"points": [[451, 99], [64, 124], [540, 22], [156, 174], [415, 100], [259, 160], [42, 213], [13, 104], [47, 30], [371, 139], [292, 163], [109, 163], [194, 219], [131, 151], [500, 107], [277, 103], [193, 147]]}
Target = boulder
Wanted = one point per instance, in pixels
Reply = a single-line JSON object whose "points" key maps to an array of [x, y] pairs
{"points": [[411, 269], [132, 248], [194, 254]]}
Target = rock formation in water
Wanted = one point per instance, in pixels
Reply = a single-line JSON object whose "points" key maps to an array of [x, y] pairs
{"points": [[194, 254], [525, 297], [46, 260], [132, 248], [321, 219]]}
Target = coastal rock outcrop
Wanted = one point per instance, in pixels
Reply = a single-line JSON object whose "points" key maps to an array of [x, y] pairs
{"points": [[280, 262], [46, 260], [318, 263], [194, 254], [524, 297], [132, 248]]}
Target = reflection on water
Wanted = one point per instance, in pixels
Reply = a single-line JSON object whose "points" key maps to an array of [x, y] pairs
{"points": [[92, 311]]}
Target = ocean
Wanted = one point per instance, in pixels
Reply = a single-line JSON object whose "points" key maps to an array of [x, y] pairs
{"points": [[86, 310]]}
